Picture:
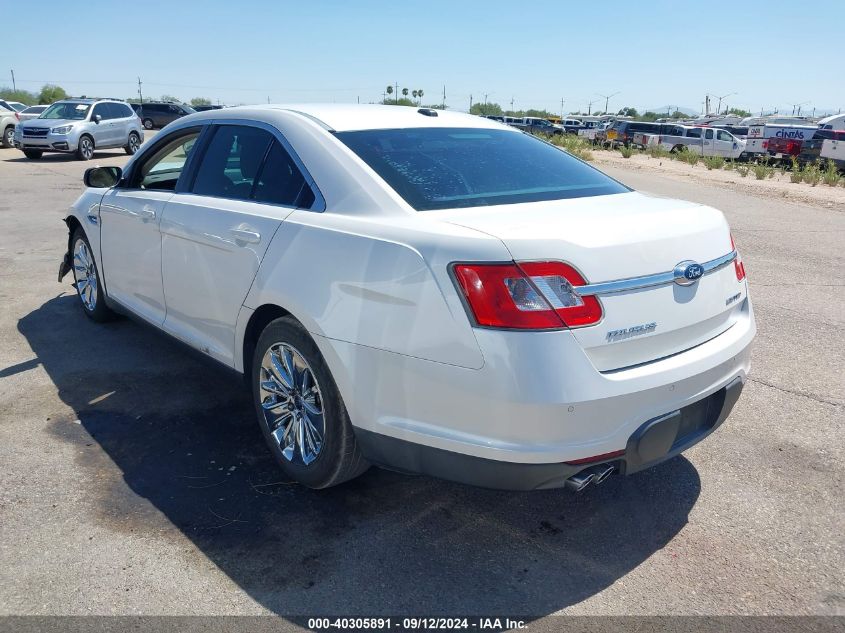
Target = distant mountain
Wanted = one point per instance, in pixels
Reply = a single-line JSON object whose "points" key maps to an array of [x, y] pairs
{"points": [[672, 108]]}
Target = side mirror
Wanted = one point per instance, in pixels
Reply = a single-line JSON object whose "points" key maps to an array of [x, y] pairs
{"points": [[102, 177], [97, 118]]}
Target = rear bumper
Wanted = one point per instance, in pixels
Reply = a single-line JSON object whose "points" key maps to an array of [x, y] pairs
{"points": [[538, 399], [655, 441]]}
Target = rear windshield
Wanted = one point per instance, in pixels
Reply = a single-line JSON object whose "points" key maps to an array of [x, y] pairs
{"points": [[445, 168]]}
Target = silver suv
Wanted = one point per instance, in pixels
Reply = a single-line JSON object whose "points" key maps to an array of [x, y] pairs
{"points": [[80, 126]]}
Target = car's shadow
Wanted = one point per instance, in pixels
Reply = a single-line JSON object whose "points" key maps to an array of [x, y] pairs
{"points": [[180, 448], [61, 157]]}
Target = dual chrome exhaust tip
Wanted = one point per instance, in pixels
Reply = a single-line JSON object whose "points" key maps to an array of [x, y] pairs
{"points": [[595, 475]]}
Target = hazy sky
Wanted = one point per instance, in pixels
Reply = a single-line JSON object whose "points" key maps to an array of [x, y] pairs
{"points": [[773, 54]]}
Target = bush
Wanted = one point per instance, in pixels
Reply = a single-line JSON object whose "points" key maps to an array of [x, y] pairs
{"points": [[657, 151], [762, 170], [812, 174], [795, 176], [575, 145], [743, 170], [691, 157], [713, 162], [626, 152], [729, 164], [830, 176]]}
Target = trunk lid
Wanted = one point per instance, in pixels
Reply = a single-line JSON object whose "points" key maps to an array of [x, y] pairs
{"points": [[617, 237]]}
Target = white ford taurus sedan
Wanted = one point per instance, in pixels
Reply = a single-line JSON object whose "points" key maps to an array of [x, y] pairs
{"points": [[424, 290]]}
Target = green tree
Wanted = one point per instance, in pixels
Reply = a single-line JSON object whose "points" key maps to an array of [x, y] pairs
{"points": [[419, 96], [171, 98], [649, 116], [677, 114], [629, 112], [486, 108], [51, 93], [739, 112], [200, 101], [402, 101], [389, 92], [405, 92], [24, 96]]}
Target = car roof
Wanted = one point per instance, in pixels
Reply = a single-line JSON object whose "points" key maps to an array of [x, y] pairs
{"points": [[344, 118]]}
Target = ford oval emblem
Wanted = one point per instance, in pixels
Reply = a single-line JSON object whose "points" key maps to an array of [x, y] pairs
{"points": [[688, 272]]}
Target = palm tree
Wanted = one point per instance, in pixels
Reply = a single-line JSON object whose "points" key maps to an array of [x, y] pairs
{"points": [[420, 95], [414, 92], [404, 92], [389, 90]]}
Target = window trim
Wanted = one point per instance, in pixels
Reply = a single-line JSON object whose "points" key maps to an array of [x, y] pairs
{"points": [[319, 204]]}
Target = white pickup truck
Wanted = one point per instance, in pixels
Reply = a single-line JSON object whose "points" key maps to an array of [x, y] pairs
{"points": [[705, 141], [757, 141]]}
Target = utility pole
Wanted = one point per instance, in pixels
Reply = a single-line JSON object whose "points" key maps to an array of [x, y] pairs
{"points": [[14, 87], [511, 104], [561, 108], [607, 100], [470, 103], [396, 92], [140, 94], [485, 98]]}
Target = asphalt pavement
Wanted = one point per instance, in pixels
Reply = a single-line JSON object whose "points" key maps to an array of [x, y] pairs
{"points": [[134, 479]]}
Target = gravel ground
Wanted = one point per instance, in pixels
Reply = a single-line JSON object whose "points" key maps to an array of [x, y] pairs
{"points": [[134, 480]]}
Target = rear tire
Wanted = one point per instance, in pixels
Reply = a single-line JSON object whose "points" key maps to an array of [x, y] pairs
{"points": [[87, 279], [9, 136], [148, 124], [85, 149], [34, 154], [299, 409], [133, 144]]}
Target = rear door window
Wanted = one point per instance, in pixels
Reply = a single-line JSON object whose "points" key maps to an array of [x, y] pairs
{"points": [[281, 182], [231, 162]]}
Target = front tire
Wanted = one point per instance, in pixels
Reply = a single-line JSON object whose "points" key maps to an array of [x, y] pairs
{"points": [[87, 279], [85, 149], [133, 144], [148, 124], [300, 411], [9, 136]]}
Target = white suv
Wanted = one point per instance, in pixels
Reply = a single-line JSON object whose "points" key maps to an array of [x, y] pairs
{"points": [[426, 290], [80, 126]]}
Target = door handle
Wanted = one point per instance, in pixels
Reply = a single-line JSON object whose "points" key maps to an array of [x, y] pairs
{"points": [[245, 235], [144, 213]]}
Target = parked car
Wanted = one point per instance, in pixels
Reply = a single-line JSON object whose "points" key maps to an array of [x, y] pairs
{"points": [[206, 108], [573, 126], [80, 126], [705, 141], [536, 125], [8, 122], [622, 131], [425, 290], [157, 115], [833, 122], [14, 106], [32, 112]]}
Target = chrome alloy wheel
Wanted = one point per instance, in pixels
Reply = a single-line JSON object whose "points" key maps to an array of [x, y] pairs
{"points": [[86, 148], [292, 403], [134, 143], [85, 274]]}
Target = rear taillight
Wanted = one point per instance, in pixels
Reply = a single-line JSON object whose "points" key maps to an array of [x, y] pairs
{"points": [[17, 116], [739, 267], [526, 296], [793, 147]]}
